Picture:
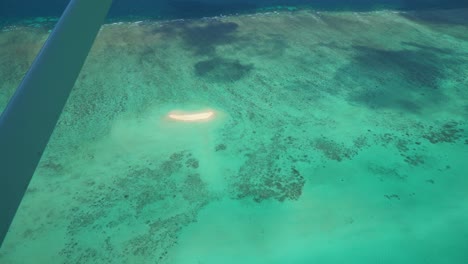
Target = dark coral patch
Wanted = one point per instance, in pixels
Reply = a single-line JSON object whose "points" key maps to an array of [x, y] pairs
{"points": [[447, 133], [220, 147], [222, 70], [275, 185], [128, 199], [407, 79], [268, 175], [201, 39], [192, 163], [333, 150]]}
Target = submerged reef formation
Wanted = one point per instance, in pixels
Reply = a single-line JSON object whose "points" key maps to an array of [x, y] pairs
{"points": [[413, 79], [450, 132], [407, 147], [308, 97], [220, 147], [336, 151], [410, 141], [333, 150], [386, 173], [262, 179], [157, 200], [222, 70], [271, 171]]}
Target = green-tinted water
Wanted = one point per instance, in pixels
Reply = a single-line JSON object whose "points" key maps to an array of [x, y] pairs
{"points": [[337, 137]]}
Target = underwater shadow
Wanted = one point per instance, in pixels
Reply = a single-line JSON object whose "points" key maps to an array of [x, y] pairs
{"points": [[406, 80], [201, 39], [204, 39], [271, 46], [222, 70]]}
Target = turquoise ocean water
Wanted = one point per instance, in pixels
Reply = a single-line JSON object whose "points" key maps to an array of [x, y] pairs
{"points": [[334, 137]]}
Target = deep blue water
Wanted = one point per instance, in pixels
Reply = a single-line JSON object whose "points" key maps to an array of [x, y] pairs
{"points": [[199, 8]]}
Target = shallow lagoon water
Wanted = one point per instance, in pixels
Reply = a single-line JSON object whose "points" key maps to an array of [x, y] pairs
{"points": [[338, 136]]}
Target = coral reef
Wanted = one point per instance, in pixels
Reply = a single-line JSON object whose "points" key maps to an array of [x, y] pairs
{"points": [[333, 150], [414, 160], [392, 196], [269, 175], [132, 199], [447, 133], [220, 147], [192, 163], [272, 184], [409, 144], [160, 236], [222, 70], [386, 173], [408, 149]]}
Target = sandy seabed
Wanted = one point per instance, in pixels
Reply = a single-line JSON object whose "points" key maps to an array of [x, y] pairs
{"points": [[337, 137]]}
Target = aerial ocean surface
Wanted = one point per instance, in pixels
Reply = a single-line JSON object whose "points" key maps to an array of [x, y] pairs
{"points": [[334, 136]]}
